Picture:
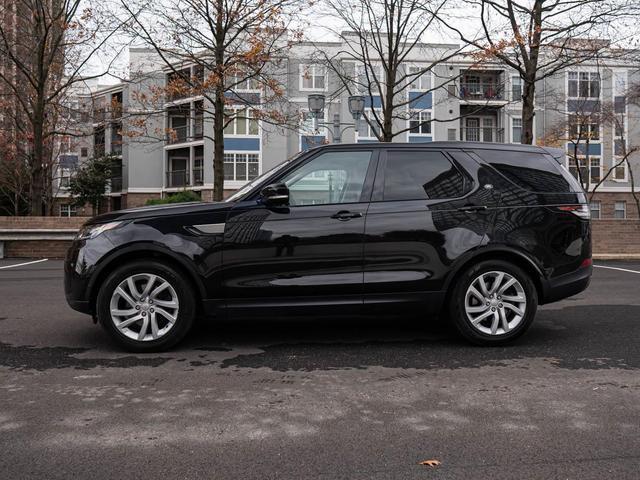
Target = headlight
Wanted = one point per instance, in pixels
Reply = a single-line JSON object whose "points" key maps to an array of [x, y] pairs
{"points": [[92, 231]]}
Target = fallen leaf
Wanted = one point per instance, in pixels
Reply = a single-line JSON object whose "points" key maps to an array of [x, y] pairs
{"points": [[430, 463]]}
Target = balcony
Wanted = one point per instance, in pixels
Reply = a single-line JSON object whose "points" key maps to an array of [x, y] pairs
{"points": [[482, 134], [182, 134], [178, 178], [482, 92]]}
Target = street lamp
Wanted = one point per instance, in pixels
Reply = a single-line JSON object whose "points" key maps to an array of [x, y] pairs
{"points": [[356, 106], [316, 103]]}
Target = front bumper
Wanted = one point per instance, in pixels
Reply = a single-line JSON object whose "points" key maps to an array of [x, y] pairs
{"points": [[564, 286], [75, 283]]}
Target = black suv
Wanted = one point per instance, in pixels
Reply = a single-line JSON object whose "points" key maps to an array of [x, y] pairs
{"points": [[481, 232]]}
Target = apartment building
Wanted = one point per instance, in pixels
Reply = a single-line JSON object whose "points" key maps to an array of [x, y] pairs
{"points": [[464, 101]]}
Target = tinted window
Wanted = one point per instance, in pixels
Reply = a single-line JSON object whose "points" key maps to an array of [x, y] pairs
{"points": [[335, 177], [530, 170], [420, 175]]}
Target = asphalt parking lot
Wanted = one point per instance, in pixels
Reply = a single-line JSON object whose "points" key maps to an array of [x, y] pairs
{"points": [[332, 399]]}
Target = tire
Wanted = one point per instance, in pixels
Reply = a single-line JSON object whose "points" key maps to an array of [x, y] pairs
{"points": [[161, 304], [475, 320]]}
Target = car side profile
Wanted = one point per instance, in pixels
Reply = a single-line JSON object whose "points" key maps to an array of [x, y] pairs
{"points": [[483, 233]]}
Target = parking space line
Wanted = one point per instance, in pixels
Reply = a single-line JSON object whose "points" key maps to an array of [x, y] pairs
{"points": [[25, 263], [618, 268]]}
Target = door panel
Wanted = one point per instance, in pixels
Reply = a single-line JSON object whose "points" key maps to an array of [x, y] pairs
{"points": [[411, 244], [310, 252]]}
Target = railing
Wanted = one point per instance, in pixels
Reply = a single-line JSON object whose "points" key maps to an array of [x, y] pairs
{"points": [[482, 91], [116, 184], [198, 176], [178, 178], [482, 134], [182, 134]]}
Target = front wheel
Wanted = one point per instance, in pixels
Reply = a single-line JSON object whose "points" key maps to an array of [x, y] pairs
{"points": [[493, 303], [146, 306]]}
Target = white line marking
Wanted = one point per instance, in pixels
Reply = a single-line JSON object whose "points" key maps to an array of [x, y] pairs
{"points": [[617, 268], [23, 264]]}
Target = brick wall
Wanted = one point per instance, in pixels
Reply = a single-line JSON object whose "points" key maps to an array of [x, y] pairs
{"points": [[36, 248], [608, 200], [616, 236], [132, 200], [42, 222]]}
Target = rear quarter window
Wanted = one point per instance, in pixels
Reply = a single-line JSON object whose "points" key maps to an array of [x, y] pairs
{"points": [[532, 171]]}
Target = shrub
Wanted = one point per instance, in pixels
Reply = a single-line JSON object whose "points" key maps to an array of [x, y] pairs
{"points": [[179, 197]]}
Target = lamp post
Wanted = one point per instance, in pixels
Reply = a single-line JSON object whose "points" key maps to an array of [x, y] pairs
{"points": [[316, 103]]}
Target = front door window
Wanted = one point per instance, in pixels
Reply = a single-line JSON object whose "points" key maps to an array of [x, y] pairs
{"points": [[333, 177]]}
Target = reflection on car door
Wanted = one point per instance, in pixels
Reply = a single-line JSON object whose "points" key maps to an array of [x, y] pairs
{"points": [[309, 252], [426, 211]]}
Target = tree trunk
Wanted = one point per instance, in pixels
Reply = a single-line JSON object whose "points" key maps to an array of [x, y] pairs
{"points": [[528, 111], [218, 146]]}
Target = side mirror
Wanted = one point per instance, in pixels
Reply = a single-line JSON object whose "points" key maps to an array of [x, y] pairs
{"points": [[276, 194]]}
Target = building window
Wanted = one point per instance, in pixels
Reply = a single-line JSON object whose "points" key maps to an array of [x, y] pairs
{"points": [[516, 130], [84, 152], [368, 78], [243, 122], [595, 207], [419, 79], [516, 88], [67, 210], [243, 82], [620, 210], [367, 131], [619, 172], [313, 77], [594, 170], [585, 127], [241, 166], [584, 85], [420, 123]]}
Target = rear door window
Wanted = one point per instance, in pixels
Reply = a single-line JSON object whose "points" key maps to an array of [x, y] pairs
{"points": [[532, 171], [418, 175]]}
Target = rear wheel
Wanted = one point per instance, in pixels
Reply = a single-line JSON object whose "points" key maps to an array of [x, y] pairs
{"points": [[493, 303], [146, 306]]}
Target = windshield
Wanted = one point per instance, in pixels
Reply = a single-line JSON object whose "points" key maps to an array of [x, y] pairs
{"points": [[249, 186]]}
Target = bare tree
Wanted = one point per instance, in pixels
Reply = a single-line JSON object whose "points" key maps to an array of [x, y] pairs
{"points": [[227, 52], [380, 41], [539, 38], [584, 126], [45, 46]]}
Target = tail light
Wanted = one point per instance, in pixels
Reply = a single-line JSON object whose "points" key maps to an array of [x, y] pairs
{"points": [[581, 211], [587, 262]]}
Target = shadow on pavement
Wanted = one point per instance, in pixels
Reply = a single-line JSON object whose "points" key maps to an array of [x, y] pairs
{"points": [[575, 337]]}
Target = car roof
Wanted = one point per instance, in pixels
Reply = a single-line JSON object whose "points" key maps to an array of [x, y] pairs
{"points": [[458, 145]]}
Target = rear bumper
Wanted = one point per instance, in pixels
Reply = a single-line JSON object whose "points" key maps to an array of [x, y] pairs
{"points": [[566, 285]]}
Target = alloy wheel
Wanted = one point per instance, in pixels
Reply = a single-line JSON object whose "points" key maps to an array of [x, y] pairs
{"points": [[495, 303], [144, 307]]}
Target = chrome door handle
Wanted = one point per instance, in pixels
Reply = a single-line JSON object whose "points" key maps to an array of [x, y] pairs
{"points": [[472, 208], [346, 215]]}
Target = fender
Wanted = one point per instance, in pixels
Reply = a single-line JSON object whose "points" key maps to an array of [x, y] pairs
{"points": [[143, 247], [487, 250]]}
